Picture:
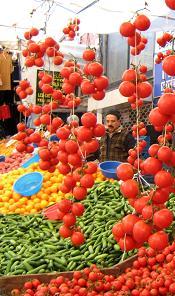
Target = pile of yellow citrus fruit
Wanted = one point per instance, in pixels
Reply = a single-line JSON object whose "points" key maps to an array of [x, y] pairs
{"points": [[12, 202]]}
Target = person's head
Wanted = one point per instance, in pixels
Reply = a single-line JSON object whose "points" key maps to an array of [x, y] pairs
{"points": [[113, 120]]}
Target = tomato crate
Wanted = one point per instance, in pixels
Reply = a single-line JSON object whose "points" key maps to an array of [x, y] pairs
{"points": [[8, 283]]}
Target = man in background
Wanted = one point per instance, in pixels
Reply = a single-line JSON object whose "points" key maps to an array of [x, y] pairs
{"points": [[117, 140]]}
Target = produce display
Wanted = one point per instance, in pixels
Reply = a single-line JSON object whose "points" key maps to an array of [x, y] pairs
{"points": [[13, 162], [79, 221], [31, 244], [150, 274], [12, 202]]}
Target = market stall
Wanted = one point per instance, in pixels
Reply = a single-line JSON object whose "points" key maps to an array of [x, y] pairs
{"points": [[78, 217]]}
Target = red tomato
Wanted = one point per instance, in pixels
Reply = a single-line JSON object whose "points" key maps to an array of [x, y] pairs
{"points": [[79, 192], [69, 181], [84, 134], [147, 212], [78, 209], [75, 78], [89, 55], [95, 69], [153, 149], [101, 82], [156, 118], [65, 231], [141, 231], [63, 133], [99, 130], [163, 218], [77, 238], [90, 167], [74, 159], [127, 88], [142, 22], [158, 241], [87, 181], [168, 65], [71, 146], [128, 223], [163, 179], [118, 230], [87, 87], [69, 219], [127, 29], [65, 205], [129, 188], [144, 89], [125, 171], [166, 104], [152, 165], [89, 119], [127, 243], [34, 31], [170, 4], [129, 75]]}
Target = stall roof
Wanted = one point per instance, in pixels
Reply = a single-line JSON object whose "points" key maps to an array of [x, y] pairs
{"points": [[97, 16]]}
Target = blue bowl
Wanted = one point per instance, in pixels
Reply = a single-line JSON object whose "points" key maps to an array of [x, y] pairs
{"points": [[108, 168], [28, 184]]}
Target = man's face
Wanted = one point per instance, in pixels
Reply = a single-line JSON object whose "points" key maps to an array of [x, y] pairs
{"points": [[112, 122]]}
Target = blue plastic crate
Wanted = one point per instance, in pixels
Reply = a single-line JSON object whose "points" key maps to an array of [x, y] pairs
{"points": [[33, 159]]}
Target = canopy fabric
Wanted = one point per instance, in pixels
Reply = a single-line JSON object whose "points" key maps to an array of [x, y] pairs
{"points": [[99, 16]]}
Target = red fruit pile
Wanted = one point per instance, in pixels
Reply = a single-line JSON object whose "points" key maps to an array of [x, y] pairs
{"points": [[72, 28], [24, 89], [131, 30], [13, 162]]}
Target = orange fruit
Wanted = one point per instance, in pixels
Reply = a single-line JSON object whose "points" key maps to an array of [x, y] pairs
{"points": [[43, 204], [16, 196]]}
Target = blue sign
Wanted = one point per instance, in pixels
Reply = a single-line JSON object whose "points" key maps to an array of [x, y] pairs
{"points": [[161, 80]]}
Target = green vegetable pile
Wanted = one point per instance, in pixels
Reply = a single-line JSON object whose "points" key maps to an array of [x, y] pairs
{"points": [[30, 244], [170, 204]]}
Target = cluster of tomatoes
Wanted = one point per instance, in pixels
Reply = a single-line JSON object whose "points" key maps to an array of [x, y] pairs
{"points": [[24, 138], [24, 89], [164, 39], [35, 51], [151, 217], [67, 211], [134, 86], [75, 144], [135, 39], [72, 28], [90, 79]]}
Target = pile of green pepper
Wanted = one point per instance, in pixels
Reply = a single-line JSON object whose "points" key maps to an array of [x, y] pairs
{"points": [[30, 244]]}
